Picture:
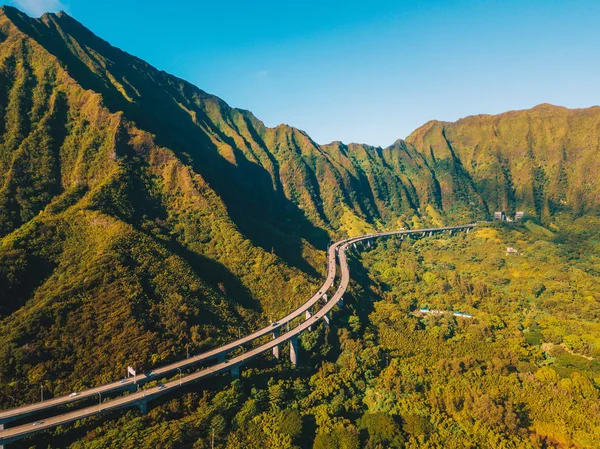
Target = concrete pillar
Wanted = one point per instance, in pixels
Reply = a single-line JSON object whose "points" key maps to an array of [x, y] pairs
{"points": [[143, 405], [468, 230], [307, 316], [294, 350], [235, 371], [276, 334], [341, 302], [324, 297], [450, 231], [423, 235], [326, 317], [430, 233]]}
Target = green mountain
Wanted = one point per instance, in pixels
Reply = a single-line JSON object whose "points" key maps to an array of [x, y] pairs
{"points": [[139, 214], [544, 160]]}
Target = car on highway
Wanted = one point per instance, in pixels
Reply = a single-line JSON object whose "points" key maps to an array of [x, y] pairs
{"points": [[72, 395], [162, 387], [123, 381], [38, 423], [274, 324]]}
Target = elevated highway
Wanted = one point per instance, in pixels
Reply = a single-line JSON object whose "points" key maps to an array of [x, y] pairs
{"points": [[142, 397], [219, 354]]}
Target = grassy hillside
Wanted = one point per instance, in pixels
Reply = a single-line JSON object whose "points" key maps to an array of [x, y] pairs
{"points": [[544, 160], [113, 250]]}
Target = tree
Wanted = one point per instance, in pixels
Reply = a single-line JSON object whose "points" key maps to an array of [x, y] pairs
{"points": [[381, 430]]}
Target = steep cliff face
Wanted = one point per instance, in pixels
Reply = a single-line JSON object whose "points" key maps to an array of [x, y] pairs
{"points": [[543, 160], [113, 248]]}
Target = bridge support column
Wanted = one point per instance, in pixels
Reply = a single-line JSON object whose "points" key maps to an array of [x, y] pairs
{"points": [[307, 316], [235, 372], [341, 302], [468, 230], [276, 334], [430, 233], [326, 317], [143, 406], [294, 350]]}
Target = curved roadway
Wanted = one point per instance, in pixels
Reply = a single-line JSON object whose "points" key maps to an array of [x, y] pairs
{"points": [[143, 396], [126, 384]]}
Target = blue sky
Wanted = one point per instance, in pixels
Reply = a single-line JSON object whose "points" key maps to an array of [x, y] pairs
{"points": [[362, 71]]}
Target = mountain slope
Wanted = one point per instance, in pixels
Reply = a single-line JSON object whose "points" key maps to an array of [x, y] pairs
{"points": [[113, 250], [265, 176], [544, 160]]}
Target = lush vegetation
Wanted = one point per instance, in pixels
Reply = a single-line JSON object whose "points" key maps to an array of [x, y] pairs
{"points": [[140, 215], [112, 251], [522, 372], [543, 160]]}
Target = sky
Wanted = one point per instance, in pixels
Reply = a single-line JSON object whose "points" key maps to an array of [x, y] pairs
{"points": [[361, 71]]}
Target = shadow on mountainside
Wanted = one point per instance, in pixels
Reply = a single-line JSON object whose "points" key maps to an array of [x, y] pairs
{"points": [[174, 111]]}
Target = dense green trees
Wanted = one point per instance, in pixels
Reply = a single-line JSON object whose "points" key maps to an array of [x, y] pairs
{"points": [[397, 378]]}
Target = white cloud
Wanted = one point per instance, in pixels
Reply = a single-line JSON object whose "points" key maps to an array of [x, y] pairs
{"points": [[38, 7], [262, 74]]}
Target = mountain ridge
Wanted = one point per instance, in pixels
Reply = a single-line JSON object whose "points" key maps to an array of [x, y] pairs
{"points": [[224, 112]]}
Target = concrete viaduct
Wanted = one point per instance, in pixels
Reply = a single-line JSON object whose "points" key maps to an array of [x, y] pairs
{"points": [[140, 397]]}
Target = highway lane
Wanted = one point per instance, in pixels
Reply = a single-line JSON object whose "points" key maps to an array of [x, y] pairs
{"points": [[135, 399], [125, 384]]}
